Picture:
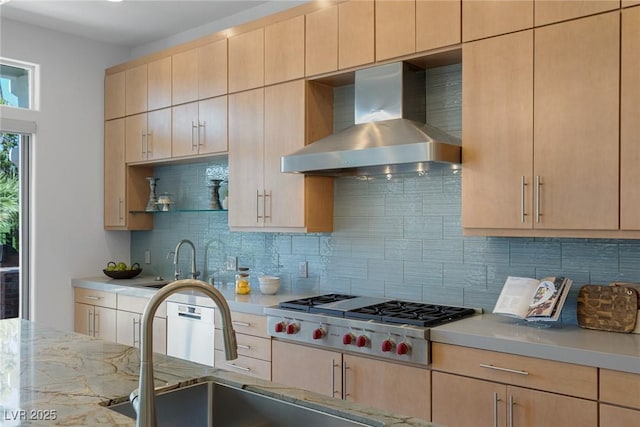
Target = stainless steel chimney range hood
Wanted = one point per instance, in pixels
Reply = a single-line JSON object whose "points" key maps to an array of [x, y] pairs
{"points": [[389, 135]]}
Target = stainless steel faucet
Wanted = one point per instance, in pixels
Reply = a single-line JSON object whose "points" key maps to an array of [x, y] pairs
{"points": [[144, 399], [194, 272]]}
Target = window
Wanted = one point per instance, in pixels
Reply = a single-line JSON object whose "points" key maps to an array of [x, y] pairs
{"points": [[18, 84]]}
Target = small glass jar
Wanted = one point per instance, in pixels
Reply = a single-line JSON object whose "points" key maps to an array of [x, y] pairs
{"points": [[242, 281]]}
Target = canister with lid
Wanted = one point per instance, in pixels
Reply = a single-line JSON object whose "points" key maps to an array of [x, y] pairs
{"points": [[242, 281]]}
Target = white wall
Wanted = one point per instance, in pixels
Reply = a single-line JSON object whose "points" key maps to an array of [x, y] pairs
{"points": [[68, 239]]}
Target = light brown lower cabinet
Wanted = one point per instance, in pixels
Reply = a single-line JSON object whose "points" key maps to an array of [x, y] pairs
{"points": [[619, 398], [462, 401], [390, 386], [129, 330], [95, 314]]}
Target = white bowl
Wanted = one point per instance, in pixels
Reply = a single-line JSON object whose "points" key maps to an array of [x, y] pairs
{"points": [[269, 285]]}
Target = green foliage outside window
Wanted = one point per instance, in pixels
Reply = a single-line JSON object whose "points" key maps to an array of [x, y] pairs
{"points": [[9, 190]]}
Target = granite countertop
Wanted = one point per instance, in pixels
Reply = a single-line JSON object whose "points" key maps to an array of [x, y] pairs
{"points": [[564, 343], [52, 377]]}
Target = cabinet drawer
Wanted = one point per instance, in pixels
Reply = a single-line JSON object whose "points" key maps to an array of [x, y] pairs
{"points": [[137, 305], [99, 298], [244, 365], [244, 323], [559, 377], [248, 345], [620, 388]]}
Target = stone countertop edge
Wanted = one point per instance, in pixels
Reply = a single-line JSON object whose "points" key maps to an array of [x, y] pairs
{"points": [[562, 342], [75, 376], [253, 303]]}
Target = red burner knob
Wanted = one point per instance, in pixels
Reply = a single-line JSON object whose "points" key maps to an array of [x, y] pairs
{"points": [[387, 345], [292, 328], [319, 333], [348, 338], [403, 348], [280, 326], [362, 341]]}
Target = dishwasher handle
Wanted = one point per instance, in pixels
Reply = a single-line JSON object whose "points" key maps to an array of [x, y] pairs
{"points": [[190, 316]]}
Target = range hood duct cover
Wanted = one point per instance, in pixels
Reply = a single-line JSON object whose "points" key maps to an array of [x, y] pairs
{"points": [[389, 135]]}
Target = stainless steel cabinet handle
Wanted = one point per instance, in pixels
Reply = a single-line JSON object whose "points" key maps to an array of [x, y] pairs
{"points": [[91, 297], [244, 347], [265, 205], [236, 323], [511, 403], [96, 324], [120, 218], [344, 381], [135, 323], [523, 213], [143, 151], [498, 368], [538, 190], [258, 216], [90, 323], [333, 378], [496, 399], [149, 151], [234, 366], [194, 128], [201, 138]]}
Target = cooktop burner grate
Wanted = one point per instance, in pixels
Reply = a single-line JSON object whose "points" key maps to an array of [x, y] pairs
{"points": [[417, 314], [306, 304]]}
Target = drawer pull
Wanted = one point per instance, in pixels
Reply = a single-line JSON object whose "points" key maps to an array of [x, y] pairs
{"points": [[498, 368], [244, 347], [92, 297], [234, 366], [236, 323]]}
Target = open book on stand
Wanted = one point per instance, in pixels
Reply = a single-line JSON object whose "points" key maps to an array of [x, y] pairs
{"points": [[531, 299]]}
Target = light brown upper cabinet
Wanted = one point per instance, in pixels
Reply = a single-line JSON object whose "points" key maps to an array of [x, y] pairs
{"points": [[550, 11], [114, 95], [356, 33], [395, 28], [199, 73], [246, 60], [265, 124], [159, 84], [487, 18], [200, 127], [284, 51], [571, 179], [497, 130], [148, 136], [576, 123], [629, 121], [437, 23], [136, 90], [321, 41]]}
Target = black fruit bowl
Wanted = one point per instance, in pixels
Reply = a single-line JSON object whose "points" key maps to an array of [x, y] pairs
{"points": [[122, 274]]}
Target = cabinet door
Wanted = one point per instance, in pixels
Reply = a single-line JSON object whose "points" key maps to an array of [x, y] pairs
{"points": [[136, 90], [321, 41], [307, 368], [629, 122], [212, 126], [284, 133], [104, 323], [184, 77], [487, 18], [355, 33], [395, 28], [437, 23], [390, 386], [538, 408], [83, 319], [497, 117], [159, 84], [284, 51], [246, 158], [463, 401], [550, 11], [184, 130], [114, 95], [114, 174], [212, 69], [246, 60], [135, 128], [159, 134], [576, 123], [129, 329], [615, 416]]}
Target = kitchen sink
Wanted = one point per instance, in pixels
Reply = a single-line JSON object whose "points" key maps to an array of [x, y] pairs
{"points": [[156, 285], [214, 404]]}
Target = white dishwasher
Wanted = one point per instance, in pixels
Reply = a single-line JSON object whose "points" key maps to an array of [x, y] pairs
{"points": [[190, 332]]}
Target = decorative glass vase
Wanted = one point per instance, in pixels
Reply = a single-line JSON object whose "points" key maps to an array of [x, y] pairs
{"points": [[152, 203]]}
